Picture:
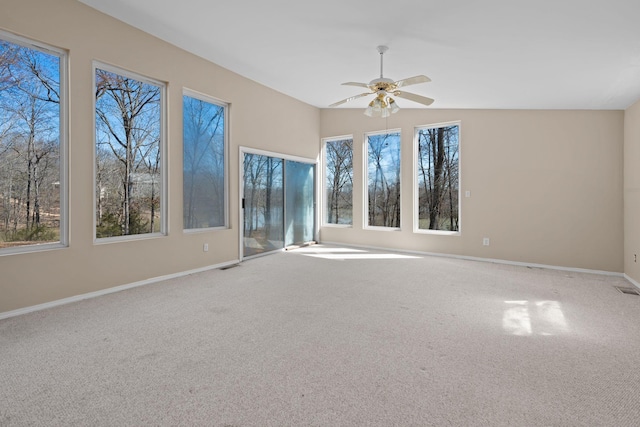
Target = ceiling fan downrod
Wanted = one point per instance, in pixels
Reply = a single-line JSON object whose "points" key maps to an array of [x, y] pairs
{"points": [[382, 50]]}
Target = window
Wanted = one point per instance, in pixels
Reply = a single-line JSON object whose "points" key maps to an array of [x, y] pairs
{"points": [[204, 172], [129, 155], [338, 161], [438, 177], [33, 178], [383, 175]]}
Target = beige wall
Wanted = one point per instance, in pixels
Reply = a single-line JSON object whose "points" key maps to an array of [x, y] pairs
{"points": [[260, 118], [632, 192], [546, 186]]}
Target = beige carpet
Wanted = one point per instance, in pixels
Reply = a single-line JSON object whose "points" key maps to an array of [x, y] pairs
{"points": [[329, 336]]}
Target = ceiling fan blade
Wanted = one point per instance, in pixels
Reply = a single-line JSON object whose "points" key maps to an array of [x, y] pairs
{"points": [[335, 104], [412, 81], [355, 84], [413, 97]]}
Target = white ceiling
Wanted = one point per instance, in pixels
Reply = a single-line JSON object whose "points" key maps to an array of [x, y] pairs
{"points": [[545, 54]]}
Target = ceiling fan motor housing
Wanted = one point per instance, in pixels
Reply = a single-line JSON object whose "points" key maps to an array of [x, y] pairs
{"points": [[381, 80], [382, 83]]}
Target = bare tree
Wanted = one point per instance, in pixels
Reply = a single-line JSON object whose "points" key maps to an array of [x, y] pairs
{"points": [[384, 180], [263, 198], [34, 153], [254, 170], [39, 67], [438, 168], [339, 155], [203, 163], [273, 174], [29, 140], [128, 125], [8, 59]]}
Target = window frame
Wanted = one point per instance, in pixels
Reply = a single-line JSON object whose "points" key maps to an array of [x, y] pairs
{"points": [[164, 214], [416, 185], [241, 171], [365, 181], [227, 111], [63, 145], [323, 180]]}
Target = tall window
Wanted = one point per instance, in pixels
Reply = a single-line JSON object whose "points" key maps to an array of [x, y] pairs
{"points": [[32, 145], [438, 177], [204, 147], [338, 181], [383, 173], [129, 154]]}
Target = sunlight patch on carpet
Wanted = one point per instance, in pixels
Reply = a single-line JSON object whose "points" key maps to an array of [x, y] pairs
{"points": [[526, 318]]}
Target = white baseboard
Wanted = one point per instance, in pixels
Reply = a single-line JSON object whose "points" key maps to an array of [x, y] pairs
{"points": [[633, 282], [107, 291], [479, 259]]}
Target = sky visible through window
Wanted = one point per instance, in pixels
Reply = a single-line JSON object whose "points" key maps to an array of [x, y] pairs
{"points": [[383, 173], [30, 146], [128, 164], [203, 164]]}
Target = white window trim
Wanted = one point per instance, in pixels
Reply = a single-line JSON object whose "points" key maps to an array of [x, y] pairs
{"points": [[63, 149], [365, 181], [416, 187], [227, 109], [164, 162], [322, 179]]}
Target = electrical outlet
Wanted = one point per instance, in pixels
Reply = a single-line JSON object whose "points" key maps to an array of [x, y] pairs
{"points": [[467, 193], [205, 248], [485, 241]]}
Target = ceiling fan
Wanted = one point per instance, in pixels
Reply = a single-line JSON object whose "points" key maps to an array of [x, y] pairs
{"points": [[383, 105]]}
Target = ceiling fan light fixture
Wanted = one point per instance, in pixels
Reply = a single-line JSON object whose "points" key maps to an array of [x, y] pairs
{"points": [[381, 106], [372, 110], [393, 107]]}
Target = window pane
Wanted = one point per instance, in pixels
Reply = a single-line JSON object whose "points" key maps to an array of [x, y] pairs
{"points": [[299, 212], [30, 147], [339, 181], [204, 160], [264, 204], [383, 171], [128, 168], [438, 178]]}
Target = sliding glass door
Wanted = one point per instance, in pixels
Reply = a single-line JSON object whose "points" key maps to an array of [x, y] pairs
{"points": [[263, 204], [278, 203], [299, 210]]}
